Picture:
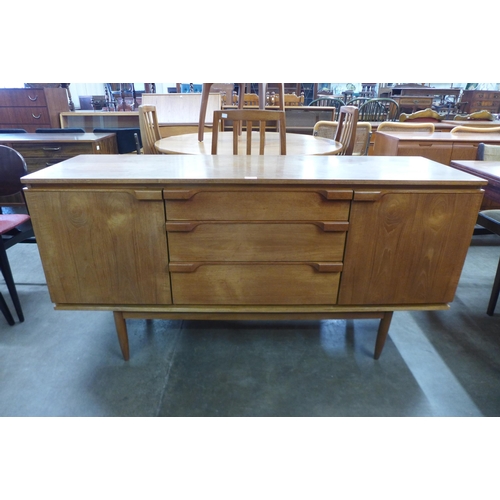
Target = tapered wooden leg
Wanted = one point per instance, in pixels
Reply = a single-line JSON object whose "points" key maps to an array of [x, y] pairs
{"points": [[121, 330], [383, 330]]}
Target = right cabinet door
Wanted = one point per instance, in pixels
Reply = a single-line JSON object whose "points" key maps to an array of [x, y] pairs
{"points": [[406, 247]]}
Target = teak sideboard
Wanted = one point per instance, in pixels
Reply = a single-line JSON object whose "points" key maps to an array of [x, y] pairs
{"points": [[249, 237]]}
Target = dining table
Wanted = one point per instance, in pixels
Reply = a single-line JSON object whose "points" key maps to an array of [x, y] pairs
{"points": [[489, 170], [296, 144]]}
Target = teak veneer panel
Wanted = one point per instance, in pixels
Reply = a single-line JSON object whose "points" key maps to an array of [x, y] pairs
{"points": [[101, 247], [407, 248]]}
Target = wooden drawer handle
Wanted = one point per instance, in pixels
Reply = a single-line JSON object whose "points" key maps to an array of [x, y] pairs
{"points": [[178, 194], [52, 149], [191, 267], [33, 98], [336, 194], [181, 227], [327, 267], [333, 226], [36, 117], [148, 195], [367, 195], [186, 227]]}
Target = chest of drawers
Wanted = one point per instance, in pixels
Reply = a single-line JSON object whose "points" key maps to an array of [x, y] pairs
{"points": [[202, 237], [43, 150], [32, 108], [477, 100]]}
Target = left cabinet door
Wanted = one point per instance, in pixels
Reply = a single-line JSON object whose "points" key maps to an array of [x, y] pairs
{"points": [[102, 246]]}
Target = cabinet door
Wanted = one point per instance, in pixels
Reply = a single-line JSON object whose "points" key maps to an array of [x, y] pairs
{"points": [[407, 247], [102, 246]]}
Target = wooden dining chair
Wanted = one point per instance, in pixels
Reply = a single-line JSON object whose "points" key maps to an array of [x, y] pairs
{"points": [[328, 129], [346, 129], [241, 91], [475, 130], [404, 126], [242, 118], [149, 127], [379, 109], [14, 227]]}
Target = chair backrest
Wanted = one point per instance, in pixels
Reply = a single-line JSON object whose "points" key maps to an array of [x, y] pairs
{"points": [[402, 126], [475, 130], [12, 168], [60, 131], [427, 115], [12, 131], [477, 115], [325, 128], [290, 100], [362, 140], [249, 117], [346, 130], [150, 129], [358, 101], [328, 129], [488, 152], [125, 138], [379, 109], [328, 101]]}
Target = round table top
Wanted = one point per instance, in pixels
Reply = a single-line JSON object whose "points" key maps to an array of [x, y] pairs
{"points": [[296, 144]]}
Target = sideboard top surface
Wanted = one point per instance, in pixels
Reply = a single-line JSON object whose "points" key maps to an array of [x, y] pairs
{"points": [[158, 169]]}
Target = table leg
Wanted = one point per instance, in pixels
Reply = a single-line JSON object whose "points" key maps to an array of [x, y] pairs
{"points": [[121, 330], [383, 330]]}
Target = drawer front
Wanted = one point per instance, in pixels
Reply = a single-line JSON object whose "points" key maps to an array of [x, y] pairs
{"points": [[254, 284], [23, 97], [258, 205], [30, 116], [232, 241], [54, 149], [35, 164], [438, 151]]}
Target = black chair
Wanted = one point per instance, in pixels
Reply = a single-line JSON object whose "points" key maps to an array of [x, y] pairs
{"points": [[60, 131], [128, 140], [12, 131], [379, 109], [328, 101], [5, 310], [14, 227]]}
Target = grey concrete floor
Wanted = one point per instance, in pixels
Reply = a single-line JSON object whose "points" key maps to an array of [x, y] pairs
{"points": [[68, 363]]}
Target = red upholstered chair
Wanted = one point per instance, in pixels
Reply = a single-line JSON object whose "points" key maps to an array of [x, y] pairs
{"points": [[14, 227]]}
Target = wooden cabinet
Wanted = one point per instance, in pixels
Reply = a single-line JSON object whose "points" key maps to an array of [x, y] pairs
{"points": [[32, 108], [43, 150], [478, 100], [442, 147], [249, 237]]}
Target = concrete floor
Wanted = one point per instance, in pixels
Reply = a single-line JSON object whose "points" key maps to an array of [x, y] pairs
{"points": [[65, 363]]}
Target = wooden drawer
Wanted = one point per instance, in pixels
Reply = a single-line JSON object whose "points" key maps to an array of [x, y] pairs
{"points": [[255, 283], [231, 241], [263, 204], [35, 164], [54, 149], [30, 116], [440, 152], [23, 97]]}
